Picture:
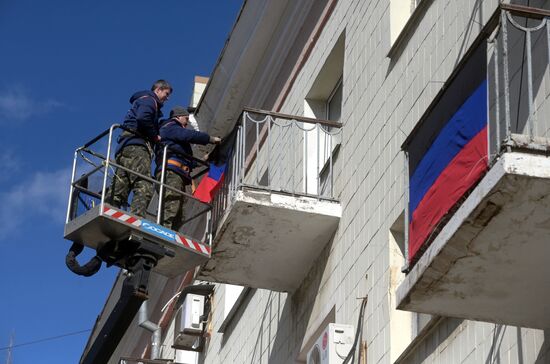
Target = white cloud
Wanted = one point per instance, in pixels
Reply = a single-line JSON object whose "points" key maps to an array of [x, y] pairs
{"points": [[9, 164], [17, 104], [42, 196]]}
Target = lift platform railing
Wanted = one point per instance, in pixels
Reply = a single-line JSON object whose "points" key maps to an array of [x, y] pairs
{"points": [[94, 168], [280, 153]]}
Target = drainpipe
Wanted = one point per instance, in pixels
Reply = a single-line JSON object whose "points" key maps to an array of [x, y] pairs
{"points": [[150, 326]]}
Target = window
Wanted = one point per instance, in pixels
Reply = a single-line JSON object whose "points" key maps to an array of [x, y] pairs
{"points": [[324, 101], [331, 146], [233, 297], [334, 110], [400, 12], [334, 103]]}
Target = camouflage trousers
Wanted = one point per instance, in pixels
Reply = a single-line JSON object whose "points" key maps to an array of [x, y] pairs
{"points": [[138, 159], [173, 203]]}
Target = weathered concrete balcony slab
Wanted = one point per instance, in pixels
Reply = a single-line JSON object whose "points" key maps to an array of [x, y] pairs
{"points": [[491, 260], [270, 239]]}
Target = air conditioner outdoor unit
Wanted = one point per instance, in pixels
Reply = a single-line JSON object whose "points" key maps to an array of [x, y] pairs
{"points": [[188, 322], [332, 346]]}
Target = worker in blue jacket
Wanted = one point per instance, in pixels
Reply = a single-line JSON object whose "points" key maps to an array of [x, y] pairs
{"points": [[135, 148], [175, 135]]}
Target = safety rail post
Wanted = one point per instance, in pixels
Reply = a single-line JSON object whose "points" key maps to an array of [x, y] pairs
{"points": [[107, 160], [71, 189], [209, 227], [161, 187]]}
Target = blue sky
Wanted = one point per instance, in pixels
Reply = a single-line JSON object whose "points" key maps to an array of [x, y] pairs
{"points": [[68, 69]]}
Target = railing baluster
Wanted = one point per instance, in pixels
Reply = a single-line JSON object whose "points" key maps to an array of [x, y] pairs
{"points": [[269, 166], [241, 159], [530, 85], [245, 120], [238, 144], [330, 167], [497, 99], [257, 153], [548, 50], [506, 70], [293, 167], [306, 132], [233, 167], [283, 156], [547, 20], [318, 172]]}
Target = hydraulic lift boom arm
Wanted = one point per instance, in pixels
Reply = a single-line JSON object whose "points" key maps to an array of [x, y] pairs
{"points": [[134, 292]]}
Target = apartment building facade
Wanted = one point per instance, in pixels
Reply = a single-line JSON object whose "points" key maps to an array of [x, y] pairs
{"points": [[388, 152]]}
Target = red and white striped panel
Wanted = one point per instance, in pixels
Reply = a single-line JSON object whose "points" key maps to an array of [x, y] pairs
{"points": [[193, 245], [137, 222], [121, 216]]}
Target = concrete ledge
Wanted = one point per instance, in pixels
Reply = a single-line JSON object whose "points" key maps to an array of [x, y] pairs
{"points": [[269, 240], [490, 261]]}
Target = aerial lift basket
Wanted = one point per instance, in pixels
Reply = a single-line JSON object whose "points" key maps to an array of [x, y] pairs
{"points": [[96, 224]]}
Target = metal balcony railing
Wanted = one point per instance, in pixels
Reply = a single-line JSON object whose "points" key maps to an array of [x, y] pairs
{"points": [[94, 168], [280, 153], [518, 80]]}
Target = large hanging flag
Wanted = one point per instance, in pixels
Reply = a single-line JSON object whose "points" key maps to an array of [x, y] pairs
{"points": [[218, 159], [448, 153]]}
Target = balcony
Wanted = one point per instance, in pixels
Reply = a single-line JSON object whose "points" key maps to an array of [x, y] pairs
{"points": [[478, 235], [276, 209]]}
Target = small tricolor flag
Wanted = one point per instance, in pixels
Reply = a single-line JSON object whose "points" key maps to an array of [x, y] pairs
{"points": [[211, 183]]}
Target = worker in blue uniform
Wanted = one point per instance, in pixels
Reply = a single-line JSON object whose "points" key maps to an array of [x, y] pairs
{"points": [[175, 134], [135, 148]]}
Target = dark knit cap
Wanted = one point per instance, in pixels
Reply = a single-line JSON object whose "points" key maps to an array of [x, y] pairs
{"points": [[178, 111]]}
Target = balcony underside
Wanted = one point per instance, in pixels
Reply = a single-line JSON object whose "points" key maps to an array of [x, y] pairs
{"points": [[270, 240], [490, 262]]}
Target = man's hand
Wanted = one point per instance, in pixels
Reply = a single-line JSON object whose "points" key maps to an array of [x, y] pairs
{"points": [[215, 140], [157, 139]]}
